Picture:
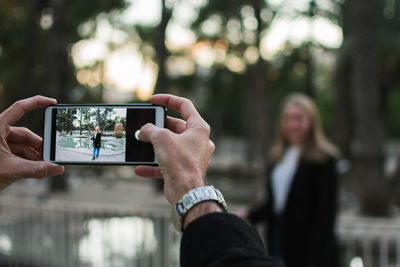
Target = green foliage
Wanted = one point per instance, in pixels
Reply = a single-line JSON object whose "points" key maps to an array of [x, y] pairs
{"points": [[25, 43], [218, 91], [292, 70], [65, 118], [86, 119]]}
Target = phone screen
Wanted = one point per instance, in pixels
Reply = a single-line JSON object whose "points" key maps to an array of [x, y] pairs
{"points": [[101, 134]]}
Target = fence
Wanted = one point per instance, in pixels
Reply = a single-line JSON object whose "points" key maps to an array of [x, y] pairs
{"points": [[33, 235], [369, 241], [54, 235]]}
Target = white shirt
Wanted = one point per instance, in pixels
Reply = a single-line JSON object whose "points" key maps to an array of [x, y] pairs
{"points": [[282, 177]]}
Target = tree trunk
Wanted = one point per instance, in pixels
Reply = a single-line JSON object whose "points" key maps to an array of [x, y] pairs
{"points": [[162, 51], [25, 86], [310, 72], [343, 115], [58, 69], [261, 108], [259, 122], [367, 147]]}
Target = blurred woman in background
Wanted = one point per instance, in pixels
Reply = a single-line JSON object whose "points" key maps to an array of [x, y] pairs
{"points": [[302, 187]]}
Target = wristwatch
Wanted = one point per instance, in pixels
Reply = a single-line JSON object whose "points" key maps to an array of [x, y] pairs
{"points": [[193, 197]]}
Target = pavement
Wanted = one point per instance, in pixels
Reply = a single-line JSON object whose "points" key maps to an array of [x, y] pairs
{"points": [[70, 155]]}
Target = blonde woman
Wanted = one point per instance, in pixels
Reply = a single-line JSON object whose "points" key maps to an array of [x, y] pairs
{"points": [[300, 209], [96, 142]]}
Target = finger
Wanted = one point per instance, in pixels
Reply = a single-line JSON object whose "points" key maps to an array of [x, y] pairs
{"points": [[24, 151], [182, 105], [19, 108], [22, 135], [148, 171], [37, 169], [176, 125], [149, 132], [145, 132]]}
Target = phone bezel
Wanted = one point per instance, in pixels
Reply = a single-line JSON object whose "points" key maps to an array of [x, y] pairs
{"points": [[49, 137]]}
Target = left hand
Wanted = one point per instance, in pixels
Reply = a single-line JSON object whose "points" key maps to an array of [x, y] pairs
{"points": [[20, 149]]}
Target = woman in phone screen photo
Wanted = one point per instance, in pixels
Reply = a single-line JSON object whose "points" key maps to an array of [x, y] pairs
{"points": [[96, 142], [300, 205]]}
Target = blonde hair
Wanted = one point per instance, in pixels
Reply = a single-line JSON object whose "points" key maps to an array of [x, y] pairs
{"points": [[316, 147]]}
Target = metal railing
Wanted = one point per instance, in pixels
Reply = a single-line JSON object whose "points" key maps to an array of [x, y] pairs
{"points": [[33, 235], [369, 241], [86, 235]]}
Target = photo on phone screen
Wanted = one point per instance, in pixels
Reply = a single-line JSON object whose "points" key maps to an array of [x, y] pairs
{"points": [[100, 134]]}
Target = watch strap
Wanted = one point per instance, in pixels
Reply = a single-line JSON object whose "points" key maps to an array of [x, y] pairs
{"points": [[195, 196]]}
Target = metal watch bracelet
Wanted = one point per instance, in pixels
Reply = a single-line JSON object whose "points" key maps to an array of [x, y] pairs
{"points": [[193, 197]]}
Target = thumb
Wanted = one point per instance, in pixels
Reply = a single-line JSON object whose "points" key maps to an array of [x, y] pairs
{"points": [[148, 132], [39, 169]]}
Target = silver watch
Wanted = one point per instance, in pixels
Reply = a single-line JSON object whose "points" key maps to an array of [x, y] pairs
{"points": [[192, 198]]}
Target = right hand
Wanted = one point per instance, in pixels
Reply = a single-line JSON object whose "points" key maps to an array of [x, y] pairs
{"points": [[183, 149]]}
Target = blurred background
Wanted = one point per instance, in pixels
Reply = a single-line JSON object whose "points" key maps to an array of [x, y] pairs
{"points": [[236, 60]]}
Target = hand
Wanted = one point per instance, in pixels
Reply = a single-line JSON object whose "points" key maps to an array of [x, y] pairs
{"points": [[243, 213], [21, 149], [183, 149]]}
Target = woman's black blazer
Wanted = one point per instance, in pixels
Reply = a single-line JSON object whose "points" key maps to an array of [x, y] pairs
{"points": [[308, 221], [97, 140]]}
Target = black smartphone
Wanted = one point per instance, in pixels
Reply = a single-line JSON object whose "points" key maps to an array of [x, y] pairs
{"points": [[99, 134]]}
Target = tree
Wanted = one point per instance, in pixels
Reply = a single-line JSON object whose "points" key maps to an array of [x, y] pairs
{"points": [[369, 134], [71, 113], [34, 58], [62, 120], [101, 117], [235, 35], [97, 114], [162, 51], [240, 29], [84, 116]]}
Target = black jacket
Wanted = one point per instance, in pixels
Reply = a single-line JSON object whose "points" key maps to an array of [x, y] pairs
{"points": [[223, 239], [308, 221], [97, 140]]}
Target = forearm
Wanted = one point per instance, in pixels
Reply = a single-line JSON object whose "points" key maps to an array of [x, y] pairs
{"points": [[223, 239]]}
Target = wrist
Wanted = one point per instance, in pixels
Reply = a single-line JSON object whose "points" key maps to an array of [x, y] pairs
{"points": [[188, 186], [184, 185], [195, 203], [199, 210]]}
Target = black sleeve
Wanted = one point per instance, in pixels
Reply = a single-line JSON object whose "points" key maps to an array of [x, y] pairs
{"points": [[322, 237], [222, 239], [258, 213]]}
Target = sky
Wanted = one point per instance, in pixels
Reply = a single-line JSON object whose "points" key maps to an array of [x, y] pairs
{"points": [[126, 69]]}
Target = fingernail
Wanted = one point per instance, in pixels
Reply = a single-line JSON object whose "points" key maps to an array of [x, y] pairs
{"points": [[57, 170]]}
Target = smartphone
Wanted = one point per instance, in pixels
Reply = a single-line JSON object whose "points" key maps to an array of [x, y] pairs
{"points": [[99, 134]]}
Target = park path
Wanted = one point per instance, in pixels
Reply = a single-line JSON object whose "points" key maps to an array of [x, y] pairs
{"points": [[69, 155]]}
